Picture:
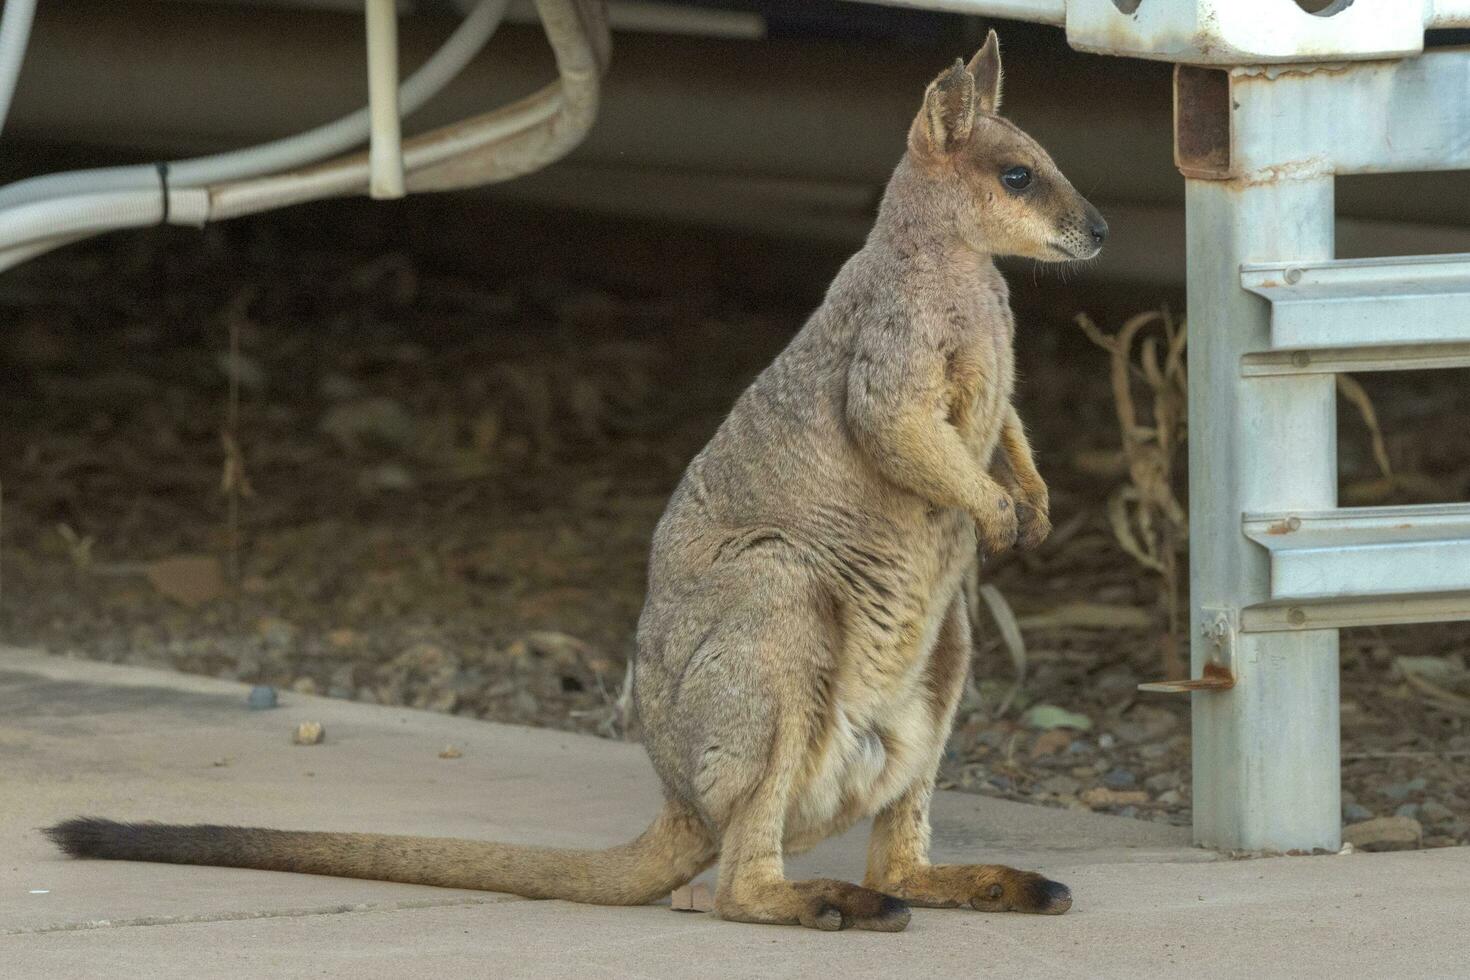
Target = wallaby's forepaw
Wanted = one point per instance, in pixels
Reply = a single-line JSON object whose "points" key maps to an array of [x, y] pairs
{"points": [[1035, 524], [985, 887], [999, 527]]}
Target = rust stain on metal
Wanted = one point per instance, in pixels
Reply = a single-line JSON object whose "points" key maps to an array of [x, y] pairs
{"points": [[1215, 678], [1202, 122], [1285, 527]]}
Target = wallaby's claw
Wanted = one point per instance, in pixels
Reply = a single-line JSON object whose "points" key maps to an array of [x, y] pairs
{"points": [[1000, 528], [1035, 525]]}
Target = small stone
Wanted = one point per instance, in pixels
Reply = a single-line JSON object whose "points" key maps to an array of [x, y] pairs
{"points": [[1061, 785], [385, 478], [1119, 779], [1399, 792], [304, 685], [1128, 811], [1410, 810], [276, 633], [1384, 834], [309, 733], [1106, 741], [1433, 811], [1161, 781], [1169, 798], [1356, 813], [262, 697], [450, 752], [369, 421], [1050, 742], [342, 638], [1100, 797]]}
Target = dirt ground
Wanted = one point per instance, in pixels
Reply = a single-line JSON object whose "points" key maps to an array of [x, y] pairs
{"points": [[454, 427]]}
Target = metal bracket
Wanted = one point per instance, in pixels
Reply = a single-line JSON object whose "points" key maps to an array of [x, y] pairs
{"points": [[1219, 627]]}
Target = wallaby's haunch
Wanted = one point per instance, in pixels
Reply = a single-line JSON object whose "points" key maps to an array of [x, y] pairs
{"points": [[805, 641]]}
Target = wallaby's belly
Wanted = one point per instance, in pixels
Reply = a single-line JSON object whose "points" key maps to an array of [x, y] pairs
{"points": [[883, 733]]}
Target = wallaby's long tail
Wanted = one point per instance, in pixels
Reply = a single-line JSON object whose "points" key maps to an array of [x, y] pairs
{"points": [[671, 852]]}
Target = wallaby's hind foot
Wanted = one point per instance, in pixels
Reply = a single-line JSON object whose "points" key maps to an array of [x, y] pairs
{"points": [[985, 887], [821, 903]]}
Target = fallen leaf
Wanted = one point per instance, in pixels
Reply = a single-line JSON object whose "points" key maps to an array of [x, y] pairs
{"points": [[190, 580], [308, 733], [1050, 742], [1050, 716], [1100, 796], [692, 898]]}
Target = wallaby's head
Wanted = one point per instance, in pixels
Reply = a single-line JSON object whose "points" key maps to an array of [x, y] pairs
{"points": [[996, 186]]}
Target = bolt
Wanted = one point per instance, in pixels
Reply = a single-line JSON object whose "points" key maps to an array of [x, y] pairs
{"points": [[1301, 359], [1294, 523], [1296, 617], [1293, 276]]}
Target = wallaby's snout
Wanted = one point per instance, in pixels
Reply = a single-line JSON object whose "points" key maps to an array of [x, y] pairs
{"points": [[1083, 232], [994, 185]]}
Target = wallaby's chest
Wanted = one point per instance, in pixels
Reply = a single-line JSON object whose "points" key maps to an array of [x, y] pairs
{"points": [[980, 371]]}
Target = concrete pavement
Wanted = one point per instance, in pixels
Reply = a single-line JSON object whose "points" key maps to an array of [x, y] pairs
{"points": [[78, 737]]}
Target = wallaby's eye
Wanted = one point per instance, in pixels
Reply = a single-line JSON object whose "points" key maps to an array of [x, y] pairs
{"points": [[1017, 178]]}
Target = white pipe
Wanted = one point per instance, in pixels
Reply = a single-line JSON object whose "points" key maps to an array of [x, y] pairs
{"points": [[349, 175], [498, 145], [12, 257], [43, 220], [282, 154], [385, 146], [495, 146], [15, 32]]}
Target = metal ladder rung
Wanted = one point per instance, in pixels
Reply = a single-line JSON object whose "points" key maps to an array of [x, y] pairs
{"points": [[1365, 552], [1348, 303], [1321, 614]]}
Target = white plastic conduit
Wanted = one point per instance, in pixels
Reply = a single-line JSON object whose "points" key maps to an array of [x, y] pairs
{"points": [[498, 145], [282, 154], [385, 148], [15, 32]]}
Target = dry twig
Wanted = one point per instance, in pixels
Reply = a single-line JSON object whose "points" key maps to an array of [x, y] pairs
{"points": [[1146, 515]]}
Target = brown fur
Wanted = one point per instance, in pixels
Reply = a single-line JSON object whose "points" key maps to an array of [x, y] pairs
{"points": [[804, 642]]}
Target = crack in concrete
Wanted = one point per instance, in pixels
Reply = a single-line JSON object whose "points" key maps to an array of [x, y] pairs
{"points": [[178, 920]]}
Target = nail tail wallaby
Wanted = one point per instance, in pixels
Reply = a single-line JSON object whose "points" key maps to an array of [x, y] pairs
{"points": [[804, 642]]}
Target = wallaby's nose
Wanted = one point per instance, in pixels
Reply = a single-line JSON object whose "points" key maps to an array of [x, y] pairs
{"points": [[1099, 230]]}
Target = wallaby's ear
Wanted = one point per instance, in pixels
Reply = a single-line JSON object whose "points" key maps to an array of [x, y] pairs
{"points": [[948, 113], [985, 67]]}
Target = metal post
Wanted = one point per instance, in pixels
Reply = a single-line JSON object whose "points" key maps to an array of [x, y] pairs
{"points": [[1266, 751]]}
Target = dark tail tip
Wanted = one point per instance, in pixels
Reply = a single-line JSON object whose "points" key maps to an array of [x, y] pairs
{"points": [[91, 837]]}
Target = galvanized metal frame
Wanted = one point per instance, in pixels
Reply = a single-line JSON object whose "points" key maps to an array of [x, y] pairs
{"points": [[1272, 318]]}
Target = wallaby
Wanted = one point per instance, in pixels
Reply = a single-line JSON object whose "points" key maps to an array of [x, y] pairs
{"points": [[804, 643]]}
